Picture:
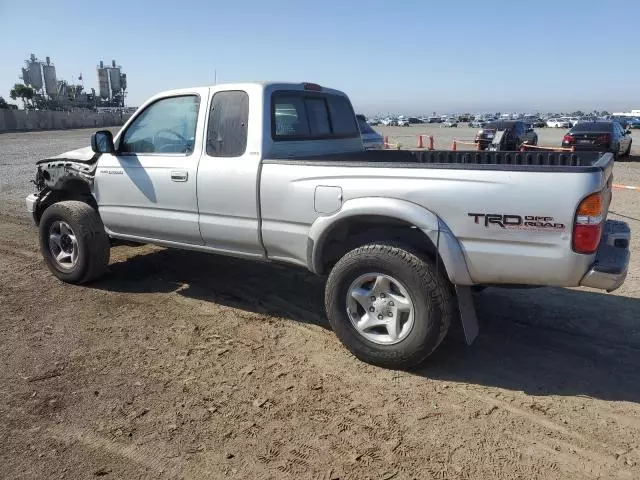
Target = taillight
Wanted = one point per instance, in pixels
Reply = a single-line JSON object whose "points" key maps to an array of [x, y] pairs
{"points": [[588, 224], [568, 139], [602, 139]]}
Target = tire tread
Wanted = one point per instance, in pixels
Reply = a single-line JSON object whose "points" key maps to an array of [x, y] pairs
{"points": [[432, 280], [90, 229]]}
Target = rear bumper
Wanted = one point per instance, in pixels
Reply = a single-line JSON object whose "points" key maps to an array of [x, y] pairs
{"points": [[611, 264], [587, 148]]}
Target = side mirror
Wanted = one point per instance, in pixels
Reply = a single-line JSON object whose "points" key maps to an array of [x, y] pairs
{"points": [[102, 142]]}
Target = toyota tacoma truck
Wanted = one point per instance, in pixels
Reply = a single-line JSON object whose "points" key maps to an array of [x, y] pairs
{"points": [[277, 172]]}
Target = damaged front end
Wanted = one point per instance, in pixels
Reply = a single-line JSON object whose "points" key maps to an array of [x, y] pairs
{"points": [[68, 176]]}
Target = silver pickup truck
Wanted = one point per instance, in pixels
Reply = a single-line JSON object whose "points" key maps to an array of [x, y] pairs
{"points": [[277, 172]]}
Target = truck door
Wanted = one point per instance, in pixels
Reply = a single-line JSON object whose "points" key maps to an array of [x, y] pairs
{"points": [[228, 175], [147, 188]]}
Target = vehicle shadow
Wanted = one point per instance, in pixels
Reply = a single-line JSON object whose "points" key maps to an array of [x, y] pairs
{"points": [[257, 287], [547, 341]]}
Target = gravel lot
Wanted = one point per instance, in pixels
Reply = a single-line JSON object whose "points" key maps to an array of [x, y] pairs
{"points": [[184, 365]]}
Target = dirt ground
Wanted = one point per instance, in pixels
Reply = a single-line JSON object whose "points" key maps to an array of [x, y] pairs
{"points": [[185, 365]]}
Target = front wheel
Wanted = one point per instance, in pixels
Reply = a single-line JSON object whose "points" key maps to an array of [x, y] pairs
{"points": [[73, 242], [388, 305]]}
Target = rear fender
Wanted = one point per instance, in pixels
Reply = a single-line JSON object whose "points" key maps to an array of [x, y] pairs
{"points": [[429, 223]]}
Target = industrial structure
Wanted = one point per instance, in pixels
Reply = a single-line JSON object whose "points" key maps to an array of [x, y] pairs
{"points": [[54, 94]]}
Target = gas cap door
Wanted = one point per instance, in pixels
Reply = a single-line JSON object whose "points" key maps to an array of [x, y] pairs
{"points": [[327, 199]]}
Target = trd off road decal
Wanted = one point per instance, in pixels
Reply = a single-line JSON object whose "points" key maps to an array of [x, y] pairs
{"points": [[520, 222]]}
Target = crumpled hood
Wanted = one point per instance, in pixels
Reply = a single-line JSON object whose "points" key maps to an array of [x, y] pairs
{"points": [[55, 173], [82, 155]]}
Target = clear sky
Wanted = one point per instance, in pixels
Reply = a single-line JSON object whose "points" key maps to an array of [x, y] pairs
{"points": [[410, 57]]}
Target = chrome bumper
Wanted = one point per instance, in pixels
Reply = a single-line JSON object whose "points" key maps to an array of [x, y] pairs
{"points": [[609, 270], [32, 201]]}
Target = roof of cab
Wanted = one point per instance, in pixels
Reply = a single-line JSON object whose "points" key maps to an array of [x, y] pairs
{"points": [[265, 85]]}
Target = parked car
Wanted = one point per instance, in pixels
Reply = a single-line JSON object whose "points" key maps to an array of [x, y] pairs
{"points": [[371, 140], [538, 123], [373, 121], [633, 122], [622, 120], [415, 120], [287, 181], [434, 120], [601, 136], [403, 122], [477, 123], [516, 133], [558, 123], [450, 122]]}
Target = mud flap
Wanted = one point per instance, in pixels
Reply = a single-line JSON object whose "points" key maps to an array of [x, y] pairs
{"points": [[467, 313]]}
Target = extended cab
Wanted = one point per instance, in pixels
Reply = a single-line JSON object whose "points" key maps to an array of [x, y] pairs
{"points": [[277, 172]]}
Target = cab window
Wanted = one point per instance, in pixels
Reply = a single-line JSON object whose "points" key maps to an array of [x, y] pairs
{"points": [[228, 122], [311, 116], [167, 126]]}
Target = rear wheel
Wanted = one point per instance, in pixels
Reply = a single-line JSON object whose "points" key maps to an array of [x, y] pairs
{"points": [[73, 242], [388, 305]]}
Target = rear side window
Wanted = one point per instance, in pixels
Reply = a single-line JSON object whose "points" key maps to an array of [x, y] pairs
{"points": [[228, 121], [318, 117], [363, 125], [311, 116], [342, 116]]}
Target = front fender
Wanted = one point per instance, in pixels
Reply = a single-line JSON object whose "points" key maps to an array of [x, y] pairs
{"points": [[429, 223]]}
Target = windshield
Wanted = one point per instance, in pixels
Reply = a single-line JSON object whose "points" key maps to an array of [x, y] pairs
{"points": [[593, 127]]}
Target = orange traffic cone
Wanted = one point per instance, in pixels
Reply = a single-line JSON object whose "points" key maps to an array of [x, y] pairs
{"points": [[420, 142], [454, 145]]}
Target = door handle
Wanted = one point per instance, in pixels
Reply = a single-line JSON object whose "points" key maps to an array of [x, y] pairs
{"points": [[179, 176]]}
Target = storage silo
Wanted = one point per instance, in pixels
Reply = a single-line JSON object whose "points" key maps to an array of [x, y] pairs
{"points": [[35, 74], [50, 80], [103, 82], [114, 78], [25, 76]]}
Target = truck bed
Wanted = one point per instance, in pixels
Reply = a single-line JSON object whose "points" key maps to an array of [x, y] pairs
{"points": [[457, 187], [537, 161]]}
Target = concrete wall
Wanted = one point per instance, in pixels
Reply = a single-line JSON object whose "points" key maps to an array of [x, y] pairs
{"points": [[25, 120]]}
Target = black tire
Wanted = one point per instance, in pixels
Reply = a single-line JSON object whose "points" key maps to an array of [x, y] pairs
{"points": [[430, 292], [92, 242]]}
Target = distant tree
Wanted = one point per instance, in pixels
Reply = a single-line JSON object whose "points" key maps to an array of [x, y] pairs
{"points": [[578, 113], [3, 103], [24, 93], [604, 113]]}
